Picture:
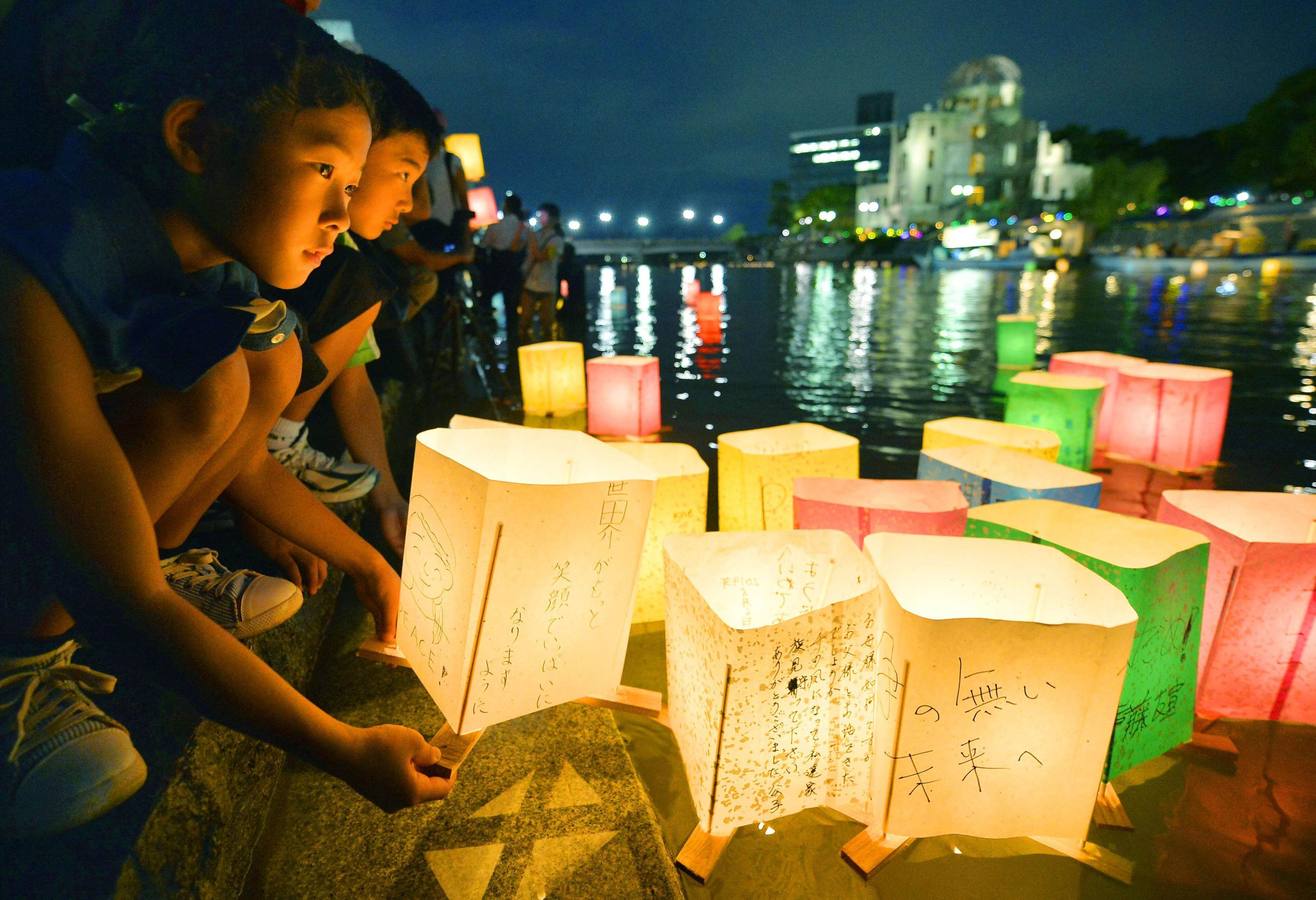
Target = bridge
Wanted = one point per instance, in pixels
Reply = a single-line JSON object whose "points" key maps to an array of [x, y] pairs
{"points": [[656, 248]]}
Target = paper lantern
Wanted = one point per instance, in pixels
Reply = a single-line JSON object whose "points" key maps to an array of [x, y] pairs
{"points": [[519, 568], [1161, 570], [1000, 665], [623, 395], [860, 507], [572, 421], [708, 307], [1001, 380], [466, 147], [1065, 404], [756, 470], [1097, 364], [484, 205], [1258, 660], [462, 422], [961, 431], [680, 506], [1171, 415], [993, 474], [772, 675], [1016, 340], [552, 377]]}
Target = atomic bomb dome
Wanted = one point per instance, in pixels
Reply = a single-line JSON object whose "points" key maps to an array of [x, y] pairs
{"points": [[987, 70]]}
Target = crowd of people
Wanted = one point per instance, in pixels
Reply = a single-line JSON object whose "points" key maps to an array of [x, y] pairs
{"points": [[215, 217]]}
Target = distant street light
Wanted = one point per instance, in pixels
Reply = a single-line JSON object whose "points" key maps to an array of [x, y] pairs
{"points": [[573, 225], [605, 217], [687, 214], [718, 219], [642, 221]]}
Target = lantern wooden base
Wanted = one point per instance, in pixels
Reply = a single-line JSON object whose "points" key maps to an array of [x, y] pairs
{"points": [[629, 699], [1220, 745], [701, 852], [1109, 811], [376, 650], [869, 850], [453, 749], [1112, 865], [1199, 472]]}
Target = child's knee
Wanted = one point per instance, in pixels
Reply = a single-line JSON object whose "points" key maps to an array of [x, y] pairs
{"points": [[275, 374], [215, 404]]}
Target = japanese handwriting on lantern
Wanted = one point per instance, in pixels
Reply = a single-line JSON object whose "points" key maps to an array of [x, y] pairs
{"points": [[613, 512], [969, 757], [917, 771], [887, 675], [596, 590], [982, 699], [559, 590]]}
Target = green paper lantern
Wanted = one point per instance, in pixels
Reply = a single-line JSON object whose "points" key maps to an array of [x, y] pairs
{"points": [[1161, 569], [1016, 340], [1066, 404]]}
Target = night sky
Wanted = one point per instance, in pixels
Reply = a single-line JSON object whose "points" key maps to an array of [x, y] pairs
{"points": [[644, 108]]}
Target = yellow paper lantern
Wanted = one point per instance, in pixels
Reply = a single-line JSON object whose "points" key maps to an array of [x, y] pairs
{"points": [[756, 471], [552, 377], [466, 147], [961, 431], [680, 506], [519, 569]]}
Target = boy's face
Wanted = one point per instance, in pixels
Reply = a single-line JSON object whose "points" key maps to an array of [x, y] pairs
{"points": [[281, 214], [384, 194]]}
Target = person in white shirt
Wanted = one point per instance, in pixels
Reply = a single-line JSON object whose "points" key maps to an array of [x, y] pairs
{"points": [[539, 295], [505, 242]]}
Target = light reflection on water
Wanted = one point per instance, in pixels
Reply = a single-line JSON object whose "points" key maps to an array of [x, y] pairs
{"points": [[878, 351]]}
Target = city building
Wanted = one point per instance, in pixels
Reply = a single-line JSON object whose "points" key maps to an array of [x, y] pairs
{"points": [[973, 147], [855, 154]]}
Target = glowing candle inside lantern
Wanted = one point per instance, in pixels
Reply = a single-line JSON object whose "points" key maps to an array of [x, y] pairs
{"points": [[1016, 340], [624, 398], [989, 474], [519, 570], [680, 506], [756, 470], [1258, 660], [961, 431], [1161, 570], [861, 507], [552, 377], [1065, 404], [1171, 415], [1097, 364]]}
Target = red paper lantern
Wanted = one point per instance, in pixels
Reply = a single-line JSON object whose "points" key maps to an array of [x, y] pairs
{"points": [[483, 204], [1097, 364], [624, 398], [1170, 415], [864, 506]]}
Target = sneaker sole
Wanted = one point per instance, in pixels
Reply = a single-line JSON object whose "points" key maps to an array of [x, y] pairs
{"points": [[349, 492], [271, 618], [121, 785]]}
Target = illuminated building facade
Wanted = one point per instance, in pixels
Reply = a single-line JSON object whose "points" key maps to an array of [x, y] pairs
{"points": [[856, 154]]}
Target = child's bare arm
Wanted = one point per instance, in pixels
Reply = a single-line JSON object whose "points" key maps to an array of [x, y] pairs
{"points": [[273, 495], [357, 409], [86, 493]]}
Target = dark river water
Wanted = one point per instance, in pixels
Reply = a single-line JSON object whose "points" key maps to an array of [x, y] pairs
{"points": [[877, 352]]}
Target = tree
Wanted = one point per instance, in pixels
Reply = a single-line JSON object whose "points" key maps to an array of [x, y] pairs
{"points": [[838, 198], [779, 208], [1275, 145], [1091, 147], [1115, 184]]}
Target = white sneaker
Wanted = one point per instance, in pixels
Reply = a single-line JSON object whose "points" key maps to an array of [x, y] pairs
{"points": [[329, 479], [243, 601], [67, 761]]}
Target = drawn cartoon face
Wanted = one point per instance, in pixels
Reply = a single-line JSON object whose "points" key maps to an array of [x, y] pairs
{"points": [[427, 565]]}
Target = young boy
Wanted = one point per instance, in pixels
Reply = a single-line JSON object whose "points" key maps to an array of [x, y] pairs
{"points": [[231, 131]]}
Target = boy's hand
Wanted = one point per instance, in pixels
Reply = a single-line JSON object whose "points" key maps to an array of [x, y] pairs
{"points": [[392, 509], [303, 568], [387, 764], [380, 590]]}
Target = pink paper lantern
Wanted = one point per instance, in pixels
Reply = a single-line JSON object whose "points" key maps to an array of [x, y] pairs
{"points": [[1097, 364], [864, 506], [623, 395], [1256, 659], [1170, 415], [484, 206]]}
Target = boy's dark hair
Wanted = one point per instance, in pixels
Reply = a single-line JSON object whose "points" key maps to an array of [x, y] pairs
{"points": [[512, 204], [248, 60], [399, 107]]}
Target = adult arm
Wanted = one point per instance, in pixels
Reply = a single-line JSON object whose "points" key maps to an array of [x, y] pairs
{"points": [[85, 492], [412, 252]]}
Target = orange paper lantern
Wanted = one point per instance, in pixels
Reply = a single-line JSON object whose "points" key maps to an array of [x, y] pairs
{"points": [[1097, 364], [624, 398], [1256, 659], [864, 506], [1171, 415]]}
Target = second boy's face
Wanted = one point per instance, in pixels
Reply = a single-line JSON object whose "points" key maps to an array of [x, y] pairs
{"points": [[384, 194], [290, 203]]}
